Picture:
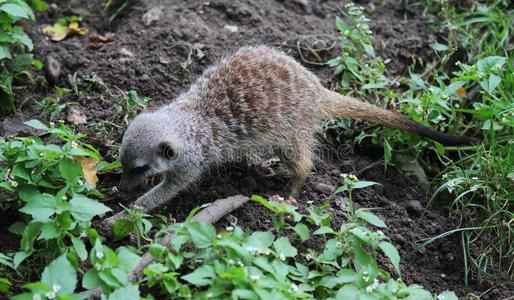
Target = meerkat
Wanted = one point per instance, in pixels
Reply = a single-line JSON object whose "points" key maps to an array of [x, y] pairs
{"points": [[258, 97]]}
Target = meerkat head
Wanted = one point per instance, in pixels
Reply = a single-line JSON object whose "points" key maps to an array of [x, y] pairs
{"points": [[147, 149]]}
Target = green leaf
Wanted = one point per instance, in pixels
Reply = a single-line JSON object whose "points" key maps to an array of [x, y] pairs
{"points": [[260, 240], [91, 280], [5, 52], [30, 233], [79, 247], [302, 231], [108, 278], [84, 208], [17, 228], [70, 169], [49, 231], [447, 295], [284, 247], [369, 49], [388, 152], [347, 275], [391, 252], [38, 64], [201, 233], [5, 285], [363, 184], [370, 218], [374, 85], [15, 10], [130, 292], [22, 37], [438, 47], [127, 260], [362, 258], [19, 171], [157, 251], [42, 208], [60, 272], [122, 228], [6, 93], [348, 292], [201, 276], [6, 260], [19, 257], [324, 230], [120, 276], [39, 5], [490, 84], [332, 250], [36, 124], [490, 62]]}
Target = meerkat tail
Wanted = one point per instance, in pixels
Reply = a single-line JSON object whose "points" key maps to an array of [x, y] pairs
{"points": [[344, 106]]}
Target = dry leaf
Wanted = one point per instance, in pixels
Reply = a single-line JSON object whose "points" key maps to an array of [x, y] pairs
{"points": [[88, 168], [10, 128], [98, 38], [461, 92], [59, 32], [56, 32], [76, 29]]}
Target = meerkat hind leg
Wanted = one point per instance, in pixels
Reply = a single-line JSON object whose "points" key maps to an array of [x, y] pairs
{"points": [[299, 162]]}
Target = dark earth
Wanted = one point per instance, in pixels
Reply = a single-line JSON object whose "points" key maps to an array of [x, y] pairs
{"points": [[148, 59]]}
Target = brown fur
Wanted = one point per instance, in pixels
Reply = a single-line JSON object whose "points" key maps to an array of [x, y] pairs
{"points": [[257, 98]]}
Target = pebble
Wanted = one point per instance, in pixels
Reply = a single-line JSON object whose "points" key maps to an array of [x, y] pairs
{"points": [[164, 60], [126, 52], [152, 15], [414, 208], [324, 188], [231, 28], [52, 69]]}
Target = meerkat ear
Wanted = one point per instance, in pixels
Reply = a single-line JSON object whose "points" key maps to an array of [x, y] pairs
{"points": [[167, 151]]}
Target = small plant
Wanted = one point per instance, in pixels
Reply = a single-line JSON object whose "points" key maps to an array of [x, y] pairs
{"points": [[47, 181], [134, 103], [474, 99], [14, 42], [109, 272], [358, 65], [204, 264], [110, 269], [137, 222], [51, 106]]}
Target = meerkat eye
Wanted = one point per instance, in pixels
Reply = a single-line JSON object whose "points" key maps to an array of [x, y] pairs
{"points": [[167, 151]]}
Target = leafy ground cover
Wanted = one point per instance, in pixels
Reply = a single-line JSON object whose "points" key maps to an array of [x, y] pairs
{"points": [[343, 237]]}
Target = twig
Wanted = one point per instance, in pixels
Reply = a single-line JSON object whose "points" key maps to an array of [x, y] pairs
{"points": [[372, 165], [210, 214]]}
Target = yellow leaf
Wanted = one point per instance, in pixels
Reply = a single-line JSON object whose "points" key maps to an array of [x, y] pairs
{"points": [[56, 32], [461, 92], [75, 29], [88, 168]]}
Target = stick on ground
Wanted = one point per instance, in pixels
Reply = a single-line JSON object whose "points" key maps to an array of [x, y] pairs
{"points": [[210, 214]]}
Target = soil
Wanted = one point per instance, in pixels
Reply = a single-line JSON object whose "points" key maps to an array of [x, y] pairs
{"points": [[148, 59]]}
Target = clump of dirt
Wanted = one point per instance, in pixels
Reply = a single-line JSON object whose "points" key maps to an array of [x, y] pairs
{"points": [[162, 59]]}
